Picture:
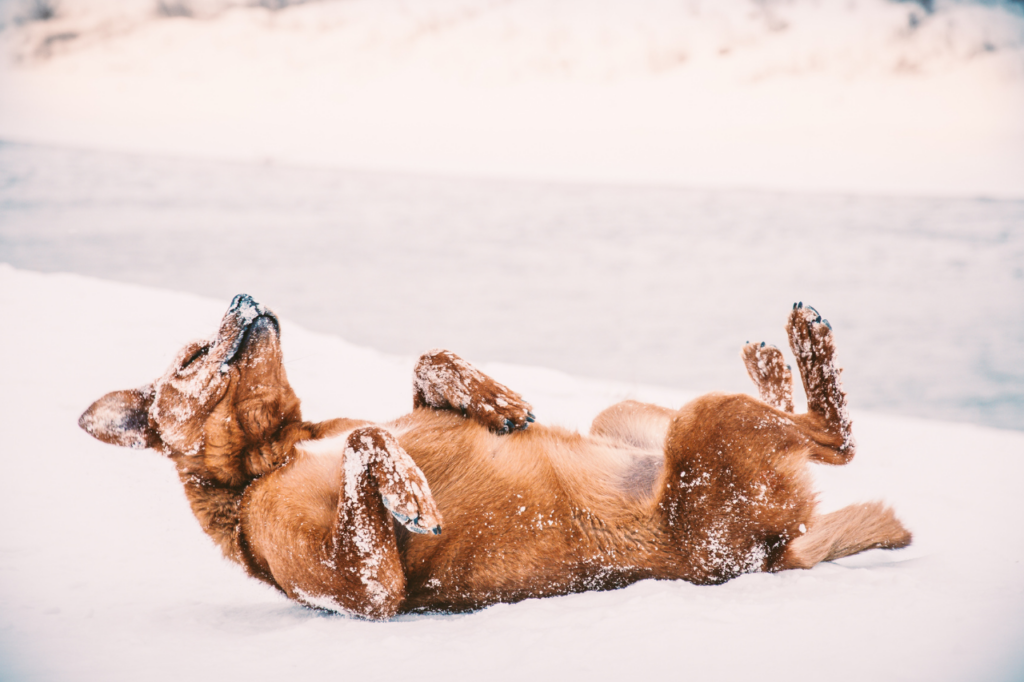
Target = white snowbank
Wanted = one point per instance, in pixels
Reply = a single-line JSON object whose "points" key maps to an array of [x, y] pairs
{"points": [[104, 575], [867, 96]]}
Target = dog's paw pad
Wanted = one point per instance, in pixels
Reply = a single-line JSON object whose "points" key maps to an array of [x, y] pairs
{"points": [[410, 515], [500, 409], [770, 373], [423, 525], [810, 335], [402, 487]]}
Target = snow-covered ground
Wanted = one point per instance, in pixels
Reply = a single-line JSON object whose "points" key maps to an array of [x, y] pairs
{"points": [[104, 575], [862, 95]]}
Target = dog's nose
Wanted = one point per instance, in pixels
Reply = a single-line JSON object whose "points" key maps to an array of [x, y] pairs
{"points": [[242, 301], [246, 309]]}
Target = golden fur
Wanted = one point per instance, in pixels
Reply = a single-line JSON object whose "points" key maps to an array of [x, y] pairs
{"points": [[348, 515]]}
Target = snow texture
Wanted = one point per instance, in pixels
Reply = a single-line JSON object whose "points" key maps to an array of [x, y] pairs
{"points": [[107, 576], [864, 96]]}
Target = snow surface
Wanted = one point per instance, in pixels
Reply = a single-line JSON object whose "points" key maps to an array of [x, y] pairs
{"points": [[104, 574], [851, 95]]}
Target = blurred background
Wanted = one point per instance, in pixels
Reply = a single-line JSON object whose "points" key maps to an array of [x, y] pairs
{"points": [[621, 189]]}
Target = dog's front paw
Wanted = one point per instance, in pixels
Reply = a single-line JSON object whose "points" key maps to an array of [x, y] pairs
{"points": [[406, 495], [444, 380], [498, 408], [411, 516], [402, 486]]}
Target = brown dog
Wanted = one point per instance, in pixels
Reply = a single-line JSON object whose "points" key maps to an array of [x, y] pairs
{"points": [[347, 515]]}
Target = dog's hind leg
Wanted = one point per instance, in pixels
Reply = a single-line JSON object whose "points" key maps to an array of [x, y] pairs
{"points": [[442, 380], [770, 374], [850, 530], [735, 486], [813, 344], [334, 546], [640, 425]]}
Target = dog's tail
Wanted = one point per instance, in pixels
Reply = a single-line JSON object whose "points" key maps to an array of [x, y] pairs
{"points": [[848, 531]]}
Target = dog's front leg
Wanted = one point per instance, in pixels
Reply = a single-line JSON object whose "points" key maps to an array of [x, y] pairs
{"points": [[353, 565], [442, 380]]}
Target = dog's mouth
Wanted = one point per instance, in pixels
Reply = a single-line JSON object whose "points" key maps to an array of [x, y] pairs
{"points": [[246, 320]]}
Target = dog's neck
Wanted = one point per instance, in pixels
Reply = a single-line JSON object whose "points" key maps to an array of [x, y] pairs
{"points": [[215, 482], [215, 486], [234, 465]]}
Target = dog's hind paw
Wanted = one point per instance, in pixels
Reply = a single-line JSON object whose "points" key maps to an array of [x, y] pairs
{"points": [[770, 374], [813, 343]]}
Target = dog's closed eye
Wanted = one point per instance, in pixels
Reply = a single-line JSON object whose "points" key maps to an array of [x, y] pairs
{"points": [[195, 356]]}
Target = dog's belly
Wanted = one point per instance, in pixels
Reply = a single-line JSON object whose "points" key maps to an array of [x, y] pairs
{"points": [[535, 513]]}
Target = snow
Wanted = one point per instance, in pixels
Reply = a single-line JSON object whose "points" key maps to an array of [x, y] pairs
{"points": [[863, 96], [106, 575]]}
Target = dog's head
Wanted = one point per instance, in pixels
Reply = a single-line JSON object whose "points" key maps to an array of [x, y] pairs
{"points": [[219, 410]]}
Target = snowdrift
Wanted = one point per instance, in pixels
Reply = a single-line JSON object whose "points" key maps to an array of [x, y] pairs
{"points": [[106, 576]]}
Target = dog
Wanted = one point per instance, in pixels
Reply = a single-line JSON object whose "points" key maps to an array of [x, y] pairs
{"points": [[347, 515]]}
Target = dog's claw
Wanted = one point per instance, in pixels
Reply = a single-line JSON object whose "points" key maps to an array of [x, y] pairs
{"points": [[531, 417], [762, 344], [825, 322], [420, 530], [411, 524]]}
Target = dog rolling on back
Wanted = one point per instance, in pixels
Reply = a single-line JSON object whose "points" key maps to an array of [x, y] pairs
{"points": [[348, 515]]}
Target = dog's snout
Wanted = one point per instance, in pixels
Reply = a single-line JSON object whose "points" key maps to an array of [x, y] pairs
{"points": [[245, 321]]}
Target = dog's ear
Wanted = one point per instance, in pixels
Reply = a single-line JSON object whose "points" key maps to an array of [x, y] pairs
{"points": [[122, 418]]}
